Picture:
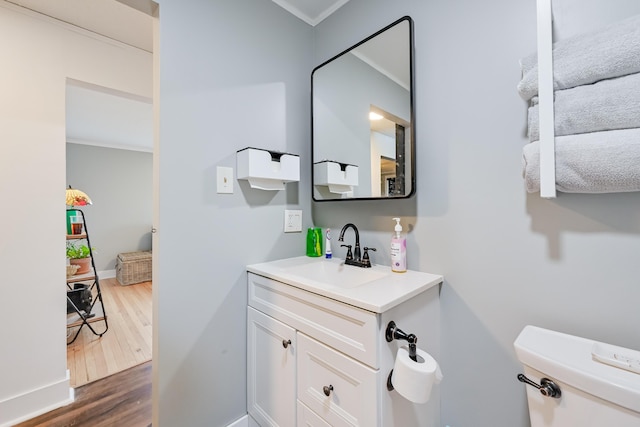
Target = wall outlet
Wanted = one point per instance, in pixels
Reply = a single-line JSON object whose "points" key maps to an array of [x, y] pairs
{"points": [[292, 221]]}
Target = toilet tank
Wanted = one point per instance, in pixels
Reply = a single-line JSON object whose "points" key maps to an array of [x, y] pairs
{"points": [[594, 392]]}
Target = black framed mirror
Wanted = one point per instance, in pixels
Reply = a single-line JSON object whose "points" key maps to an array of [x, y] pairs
{"points": [[362, 119]]}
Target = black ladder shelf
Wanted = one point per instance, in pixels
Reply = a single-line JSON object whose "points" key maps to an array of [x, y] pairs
{"points": [[85, 306]]}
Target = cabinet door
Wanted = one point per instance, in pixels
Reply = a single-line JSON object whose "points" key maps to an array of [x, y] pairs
{"points": [[271, 364]]}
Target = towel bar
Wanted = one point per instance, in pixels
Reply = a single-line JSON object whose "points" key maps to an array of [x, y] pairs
{"points": [[545, 88]]}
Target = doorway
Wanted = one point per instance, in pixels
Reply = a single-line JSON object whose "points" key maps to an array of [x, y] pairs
{"points": [[109, 156]]}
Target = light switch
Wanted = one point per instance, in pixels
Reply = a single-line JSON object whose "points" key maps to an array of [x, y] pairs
{"points": [[292, 221], [225, 180]]}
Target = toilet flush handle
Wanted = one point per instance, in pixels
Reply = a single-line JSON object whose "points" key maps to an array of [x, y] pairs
{"points": [[547, 387]]}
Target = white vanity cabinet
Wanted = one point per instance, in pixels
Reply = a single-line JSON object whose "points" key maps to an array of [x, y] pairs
{"points": [[315, 360]]}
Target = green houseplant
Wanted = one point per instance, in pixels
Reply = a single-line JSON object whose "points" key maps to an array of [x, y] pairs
{"points": [[79, 254]]}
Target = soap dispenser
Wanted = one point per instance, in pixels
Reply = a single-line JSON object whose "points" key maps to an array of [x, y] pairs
{"points": [[398, 249]]}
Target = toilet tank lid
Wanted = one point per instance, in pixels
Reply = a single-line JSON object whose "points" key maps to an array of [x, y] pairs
{"points": [[569, 359]]}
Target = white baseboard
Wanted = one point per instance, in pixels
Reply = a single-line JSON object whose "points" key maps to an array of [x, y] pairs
{"points": [[242, 422], [36, 402], [107, 274]]}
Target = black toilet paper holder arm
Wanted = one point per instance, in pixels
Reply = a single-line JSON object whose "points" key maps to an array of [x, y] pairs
{"points": [[393, 332]]}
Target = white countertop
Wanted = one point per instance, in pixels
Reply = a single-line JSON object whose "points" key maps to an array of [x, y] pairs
{"points": [[375, 289]]}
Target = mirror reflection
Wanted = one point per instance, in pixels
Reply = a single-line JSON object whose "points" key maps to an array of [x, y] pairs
{"points": [[362, 118]]}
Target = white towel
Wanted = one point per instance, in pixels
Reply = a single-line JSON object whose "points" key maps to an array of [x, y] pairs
{"points": [[606, 105], [587, 58], [598, 162]]}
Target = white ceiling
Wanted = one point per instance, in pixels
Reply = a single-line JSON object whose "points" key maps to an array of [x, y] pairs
{"points": [[110, 18], [98, 116]]}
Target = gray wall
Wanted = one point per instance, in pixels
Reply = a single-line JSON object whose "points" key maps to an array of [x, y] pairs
{"points": [[232, 74], [509, 259], [119, 183]]}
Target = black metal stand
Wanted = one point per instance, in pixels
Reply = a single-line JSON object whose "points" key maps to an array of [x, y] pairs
{"points": [[84, 296]]}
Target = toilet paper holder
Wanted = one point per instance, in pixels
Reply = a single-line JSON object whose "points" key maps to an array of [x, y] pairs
{"points": [[393, 332], [414, 371]]}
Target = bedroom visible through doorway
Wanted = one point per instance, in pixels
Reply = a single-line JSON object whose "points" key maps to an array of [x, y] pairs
{"points": [[109, 156]]}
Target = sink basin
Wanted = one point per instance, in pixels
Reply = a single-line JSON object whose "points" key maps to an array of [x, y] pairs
{"points": [[335, 273], [376, 289]]}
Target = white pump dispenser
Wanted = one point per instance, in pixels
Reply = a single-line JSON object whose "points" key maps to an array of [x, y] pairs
{"points": [[398, 249]]}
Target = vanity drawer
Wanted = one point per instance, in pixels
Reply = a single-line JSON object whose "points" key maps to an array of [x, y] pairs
{"points": [[352, 386], [308, 418], [347, 328]]}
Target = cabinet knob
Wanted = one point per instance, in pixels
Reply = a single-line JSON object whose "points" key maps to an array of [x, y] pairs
{"points": [[286, 343], [327, 389]]}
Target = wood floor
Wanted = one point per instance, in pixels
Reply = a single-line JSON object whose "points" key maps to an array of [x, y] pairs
{"points": [[127, 342], [123, 399]]}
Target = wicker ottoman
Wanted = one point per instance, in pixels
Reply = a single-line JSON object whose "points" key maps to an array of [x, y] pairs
{"points": [[133, 267]]}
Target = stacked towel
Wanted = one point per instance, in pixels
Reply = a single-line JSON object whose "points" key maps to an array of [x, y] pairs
{"points": [[605, 105], [596, 79], [587, 58], [599, 162]]}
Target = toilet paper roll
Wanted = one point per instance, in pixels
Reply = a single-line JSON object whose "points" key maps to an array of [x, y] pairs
{"points": [[414, 380]]}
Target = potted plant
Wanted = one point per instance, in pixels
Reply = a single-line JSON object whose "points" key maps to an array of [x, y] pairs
{"points": [[79, 255]]}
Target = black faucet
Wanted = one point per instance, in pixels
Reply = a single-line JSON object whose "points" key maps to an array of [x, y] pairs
{"points": [[355, 257]]}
